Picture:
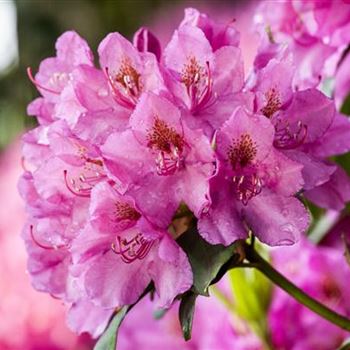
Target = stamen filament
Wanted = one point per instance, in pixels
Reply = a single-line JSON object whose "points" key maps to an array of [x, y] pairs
{"points": [[32, 79]]}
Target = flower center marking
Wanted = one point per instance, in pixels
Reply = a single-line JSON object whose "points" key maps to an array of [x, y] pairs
{"points": [[169, 146], [241, 154], [273, 103], [124, 211]]}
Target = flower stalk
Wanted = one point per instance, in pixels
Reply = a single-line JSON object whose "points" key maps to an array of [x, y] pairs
{"points": [[262, 265]]}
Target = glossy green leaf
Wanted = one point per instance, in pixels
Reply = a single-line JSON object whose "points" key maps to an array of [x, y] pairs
{"points": [[206, 260], [186, 313], [108, 339]]}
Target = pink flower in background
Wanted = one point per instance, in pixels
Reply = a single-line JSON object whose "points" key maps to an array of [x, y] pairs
{"points": [[214, 328], [322, 273], [342, 82]]}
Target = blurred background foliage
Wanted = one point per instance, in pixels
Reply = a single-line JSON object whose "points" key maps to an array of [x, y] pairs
{"points": [[40, 22]]}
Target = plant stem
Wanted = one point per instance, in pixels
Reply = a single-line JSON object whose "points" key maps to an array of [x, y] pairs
{"points": [[262, 265]]}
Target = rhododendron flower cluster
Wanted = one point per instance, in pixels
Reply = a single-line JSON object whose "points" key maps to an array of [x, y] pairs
{"points": [[132, 154]]}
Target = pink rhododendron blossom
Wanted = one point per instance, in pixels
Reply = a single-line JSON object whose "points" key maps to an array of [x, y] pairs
{"points": [[307, 128], [203, 80], [129, 72], [323, 274], [125, 150], [175, 161], [120, 239], [253, 186]]}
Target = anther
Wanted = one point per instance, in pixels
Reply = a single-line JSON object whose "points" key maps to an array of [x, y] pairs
{"points": [[169, 146], [198, 82]]}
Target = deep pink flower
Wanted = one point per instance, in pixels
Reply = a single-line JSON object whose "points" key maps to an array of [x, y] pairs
{"points": [[203, 80], [121, 252], [255, 186], [129, 72], [307, 129], [160, 157]]}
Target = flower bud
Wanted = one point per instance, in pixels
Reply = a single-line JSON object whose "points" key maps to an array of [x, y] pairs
{"points": [[145, 41]]}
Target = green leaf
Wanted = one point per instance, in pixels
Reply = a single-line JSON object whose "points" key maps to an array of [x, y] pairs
{"points": [[108, 339], [206, 260], [186, 313], [345, 108]]}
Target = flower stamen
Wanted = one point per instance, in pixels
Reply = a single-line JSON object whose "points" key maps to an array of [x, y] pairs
{"points": [[129, 251], [199, 84], [39, 86], [289, 136], [44, 246], [246, 187], [126, 84], [273, 103], [241, 154], [169, 145]]}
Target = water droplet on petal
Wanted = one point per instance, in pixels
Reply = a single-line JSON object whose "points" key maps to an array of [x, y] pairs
{"points": [[287, 228], [102, 92]]}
